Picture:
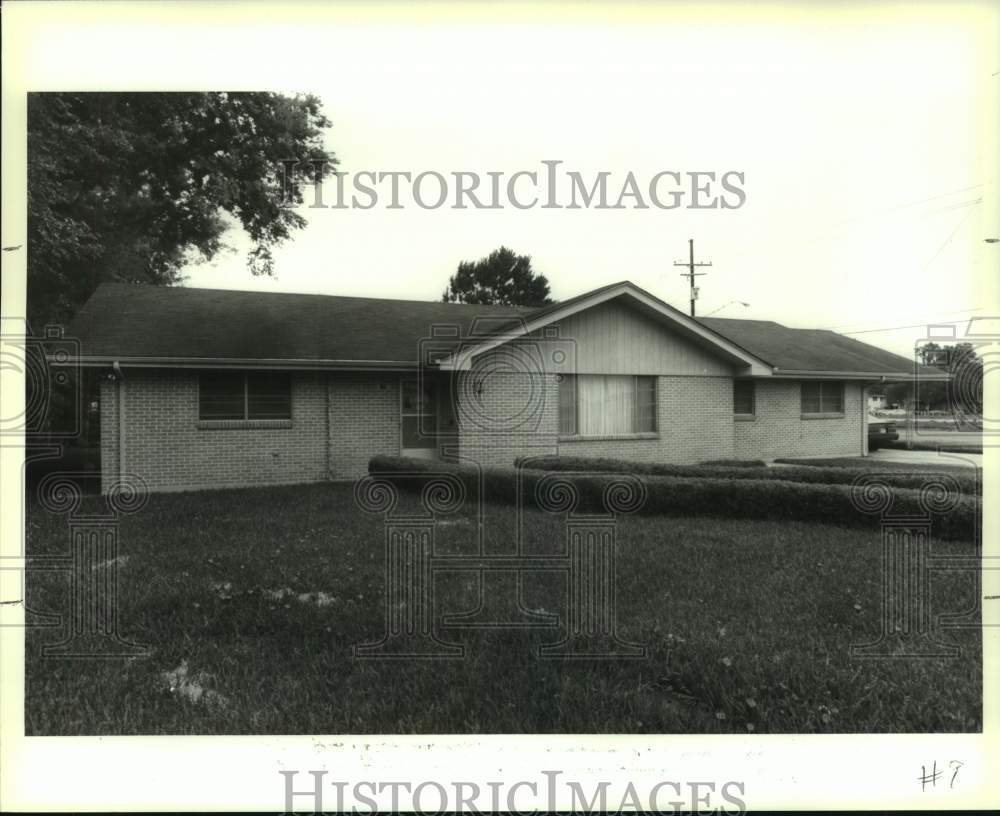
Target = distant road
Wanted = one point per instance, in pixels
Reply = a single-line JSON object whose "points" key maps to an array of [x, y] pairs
{"points": [[936, 437], [916, 457]]}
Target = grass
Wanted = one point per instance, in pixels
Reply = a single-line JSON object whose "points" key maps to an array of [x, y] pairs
{"points": [[748, 625]]}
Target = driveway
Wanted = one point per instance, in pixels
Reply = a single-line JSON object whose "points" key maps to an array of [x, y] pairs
{"points": [[915, 457], [939, 437]]}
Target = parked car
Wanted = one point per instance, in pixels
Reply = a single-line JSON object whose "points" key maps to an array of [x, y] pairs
{"points": [[880, 431]]}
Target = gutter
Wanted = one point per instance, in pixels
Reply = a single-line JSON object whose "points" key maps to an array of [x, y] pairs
{"points": [[239, 363], [800, 374]]}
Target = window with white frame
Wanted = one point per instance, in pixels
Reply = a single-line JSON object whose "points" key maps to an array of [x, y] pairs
{"points": [[606, 404]]}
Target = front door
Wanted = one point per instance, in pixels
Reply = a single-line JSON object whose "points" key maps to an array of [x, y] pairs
{"points": [[418, 418]]}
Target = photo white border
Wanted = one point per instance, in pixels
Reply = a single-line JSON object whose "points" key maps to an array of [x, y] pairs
{"points": [[48, 46]]}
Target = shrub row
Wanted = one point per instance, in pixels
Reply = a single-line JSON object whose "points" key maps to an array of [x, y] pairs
{"points": [[965, 482], [684, 496], [741, 463]]}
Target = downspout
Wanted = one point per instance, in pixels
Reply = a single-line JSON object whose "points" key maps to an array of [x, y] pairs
{"points": [[120, 413]]}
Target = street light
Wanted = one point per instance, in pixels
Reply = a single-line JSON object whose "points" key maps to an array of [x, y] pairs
{"points": [[724, 305]]}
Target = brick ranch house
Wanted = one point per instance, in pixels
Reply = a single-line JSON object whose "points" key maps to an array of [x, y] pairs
{"points": [[210, 388]]}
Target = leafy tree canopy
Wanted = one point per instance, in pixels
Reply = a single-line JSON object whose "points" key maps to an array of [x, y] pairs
{"points": [[131, 186], [502, 277], [963, 395]]}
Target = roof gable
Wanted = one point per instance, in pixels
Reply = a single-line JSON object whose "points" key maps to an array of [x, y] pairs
{"points": [[638, 299]]}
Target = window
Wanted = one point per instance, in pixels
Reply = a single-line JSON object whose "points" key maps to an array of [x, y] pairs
{"points": [[822, 398], [567, 405], [223, 395], [743, 397], [606, 405]]}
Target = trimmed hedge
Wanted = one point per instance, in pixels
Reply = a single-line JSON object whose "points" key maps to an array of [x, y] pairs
{"points": [[806, 474], [740, 463], [685, 496]]}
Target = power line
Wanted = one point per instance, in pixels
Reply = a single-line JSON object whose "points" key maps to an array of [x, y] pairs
{"points": [[912, 326], [945, 311], [948, 239], [892, 209]]}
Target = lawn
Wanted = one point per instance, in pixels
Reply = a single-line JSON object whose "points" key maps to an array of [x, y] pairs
{"points": [[260, 594]]}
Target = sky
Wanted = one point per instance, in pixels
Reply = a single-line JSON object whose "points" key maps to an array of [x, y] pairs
{"points": [[865, 134]]}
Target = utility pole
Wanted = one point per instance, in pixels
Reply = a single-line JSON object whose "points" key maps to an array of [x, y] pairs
{"points": [[691, 274]]}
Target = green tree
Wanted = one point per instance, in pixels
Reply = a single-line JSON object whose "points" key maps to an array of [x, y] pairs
{"points": [[502, 277], [963, 394], [131, 186]]}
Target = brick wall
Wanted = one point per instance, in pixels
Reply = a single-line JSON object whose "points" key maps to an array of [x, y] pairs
{"points": [[504, 415], [165, 445], [364, 421], [509, 416], [779, 429]]}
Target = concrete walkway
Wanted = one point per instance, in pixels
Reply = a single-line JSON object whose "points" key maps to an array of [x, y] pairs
{"points": [[915, 457], [906, 457]]}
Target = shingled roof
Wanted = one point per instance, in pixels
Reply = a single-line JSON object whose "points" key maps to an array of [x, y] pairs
{"points": [[128, 321], [136, 323], [808, 349]]}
